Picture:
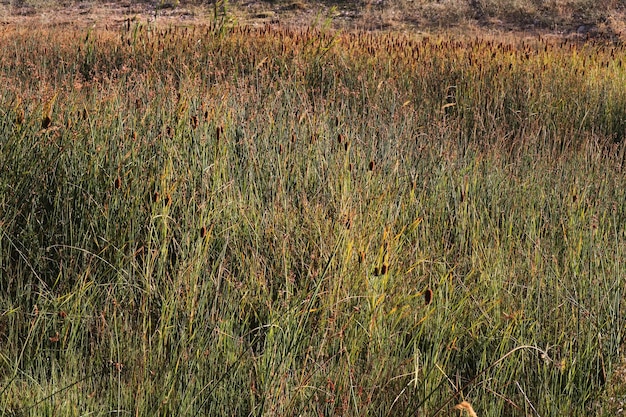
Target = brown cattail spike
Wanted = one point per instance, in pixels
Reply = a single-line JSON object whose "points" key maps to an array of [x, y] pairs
{"points": [[371, 167], [428, 296], [203, 231], [45, 122], [118, 183], [19, 114]]}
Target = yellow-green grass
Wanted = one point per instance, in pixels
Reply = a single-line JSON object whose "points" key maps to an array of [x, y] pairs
{"points": [[237, 221]]}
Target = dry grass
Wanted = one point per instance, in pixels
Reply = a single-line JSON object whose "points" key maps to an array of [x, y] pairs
{"points": [[563, 17]]}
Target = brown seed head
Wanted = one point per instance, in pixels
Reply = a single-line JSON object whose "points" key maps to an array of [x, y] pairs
{"points": [[428, 296], [19, 116]]}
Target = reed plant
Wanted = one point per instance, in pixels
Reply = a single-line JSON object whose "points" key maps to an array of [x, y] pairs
{"points": [[269, 221]]}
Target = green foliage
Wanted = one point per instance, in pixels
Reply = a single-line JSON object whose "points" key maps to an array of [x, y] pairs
{"points": [[238, 221]]}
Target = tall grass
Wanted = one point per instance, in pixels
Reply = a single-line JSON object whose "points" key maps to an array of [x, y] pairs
{"points": [[237, 221]]}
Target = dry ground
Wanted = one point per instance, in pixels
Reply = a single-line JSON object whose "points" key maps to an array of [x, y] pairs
{"points": [[570, 18]]}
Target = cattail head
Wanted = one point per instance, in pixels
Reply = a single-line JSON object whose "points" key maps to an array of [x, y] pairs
{"points": [[118, 183], [371, 166], [203, 231], [361, 257], [594, 222], [19, 116], [45, 122], [428, 296]]}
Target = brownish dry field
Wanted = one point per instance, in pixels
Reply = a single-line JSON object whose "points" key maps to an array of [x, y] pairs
{"points": [[567, 18]]}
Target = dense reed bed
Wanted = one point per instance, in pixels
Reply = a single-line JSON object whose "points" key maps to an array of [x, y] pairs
{"points": [[238, 221]]}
